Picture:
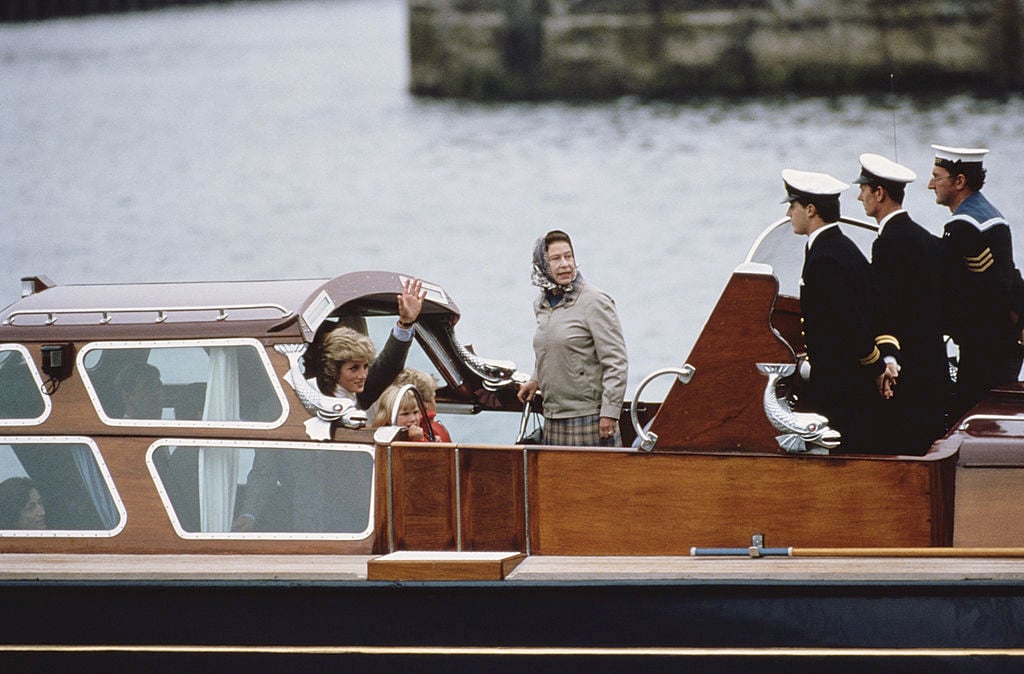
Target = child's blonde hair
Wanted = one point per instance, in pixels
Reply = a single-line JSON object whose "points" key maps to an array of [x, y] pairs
{"points": [[424, 383], [387, 403]]}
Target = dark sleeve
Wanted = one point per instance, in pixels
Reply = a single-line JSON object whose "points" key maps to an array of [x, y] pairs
{"points": [[989, 263], [384, 370], [1018, 299], [886, 270], [987, 260], [848, 283]]}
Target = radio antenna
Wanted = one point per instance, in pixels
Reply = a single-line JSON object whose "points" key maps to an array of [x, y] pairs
{"points": [[892, 92]]}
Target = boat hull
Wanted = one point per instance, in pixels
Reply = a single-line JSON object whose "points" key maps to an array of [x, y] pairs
{"points": [[708, 622]]}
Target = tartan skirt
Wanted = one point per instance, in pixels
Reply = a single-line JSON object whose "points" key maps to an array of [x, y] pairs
{"points": [[579, 432]]}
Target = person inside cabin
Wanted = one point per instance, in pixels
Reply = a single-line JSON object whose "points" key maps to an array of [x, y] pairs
{"points": [[21, 506], [427, 386], [409, 414], [141, 391], [346, 367], [986, 294], [836, 306], [581, 367], [908, 287]]}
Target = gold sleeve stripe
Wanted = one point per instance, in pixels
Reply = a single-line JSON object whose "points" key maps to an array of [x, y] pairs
{"points": [[978, 270], [887, 339], [980, 262], [977, 259], [871, 357]]}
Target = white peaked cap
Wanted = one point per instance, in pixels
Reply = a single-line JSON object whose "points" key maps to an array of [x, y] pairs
{"points": [[874, 168], [965, 154], [810, 185]]}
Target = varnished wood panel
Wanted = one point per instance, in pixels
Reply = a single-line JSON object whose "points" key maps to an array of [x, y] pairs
{"points": [[423, 497], [721, 408], [664, 504], [493, 504], [443, 565]]}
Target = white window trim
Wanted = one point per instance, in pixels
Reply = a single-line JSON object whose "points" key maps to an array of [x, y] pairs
{"points": [[70, 533], [253, 444], [183, 423], [47, 404]]}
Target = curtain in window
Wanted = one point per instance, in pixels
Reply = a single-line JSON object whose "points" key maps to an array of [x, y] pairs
{"points": [[218, 466], [95, 485]]}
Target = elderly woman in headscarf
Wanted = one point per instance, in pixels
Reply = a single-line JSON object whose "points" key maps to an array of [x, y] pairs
{"points": [[581, 366]]}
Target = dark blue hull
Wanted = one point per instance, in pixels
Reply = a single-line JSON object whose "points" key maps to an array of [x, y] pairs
{"points": [[514, 626]]}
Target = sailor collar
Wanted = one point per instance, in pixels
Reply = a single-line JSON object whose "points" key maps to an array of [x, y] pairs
{"points": [[978, 211]]}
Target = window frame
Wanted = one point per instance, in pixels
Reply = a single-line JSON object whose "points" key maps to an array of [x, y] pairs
{"points": [[280, 445], [104, 472], [182, 343], [47, 403]]}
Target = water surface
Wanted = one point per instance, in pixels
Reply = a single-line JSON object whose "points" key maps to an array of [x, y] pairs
{"points": [[278, 140]]}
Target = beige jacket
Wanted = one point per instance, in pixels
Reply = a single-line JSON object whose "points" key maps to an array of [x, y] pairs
{"points": [[581, 361]]}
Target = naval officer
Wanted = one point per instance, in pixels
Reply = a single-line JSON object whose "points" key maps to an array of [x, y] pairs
{"points": [[836, 305], [985, 307], [907, 279]]}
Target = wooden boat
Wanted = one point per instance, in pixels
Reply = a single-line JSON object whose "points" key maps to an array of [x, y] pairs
{"points": [[379, 552]]}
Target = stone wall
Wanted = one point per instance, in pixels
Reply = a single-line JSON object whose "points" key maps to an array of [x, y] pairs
{"points": [[593, 49]]}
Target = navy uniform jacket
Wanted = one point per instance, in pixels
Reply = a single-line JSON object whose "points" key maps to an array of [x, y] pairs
{"points": [[907, 274], [836, 303], [984, 299]]}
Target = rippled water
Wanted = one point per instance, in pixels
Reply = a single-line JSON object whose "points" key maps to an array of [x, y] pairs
{"points": [[277, 140]]}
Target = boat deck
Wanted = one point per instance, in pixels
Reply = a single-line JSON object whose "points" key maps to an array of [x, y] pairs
{"points": [[333, 568]]}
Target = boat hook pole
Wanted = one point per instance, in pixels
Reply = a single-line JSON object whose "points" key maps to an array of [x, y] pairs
{"points": [[908, 553]]}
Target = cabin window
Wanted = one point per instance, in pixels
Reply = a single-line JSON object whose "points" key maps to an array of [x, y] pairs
{"points": [[21, 396], [56, 488], [212, 383], [217, 489]]}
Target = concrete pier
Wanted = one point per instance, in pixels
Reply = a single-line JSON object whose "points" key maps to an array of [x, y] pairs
{"points": [[598, 49]]}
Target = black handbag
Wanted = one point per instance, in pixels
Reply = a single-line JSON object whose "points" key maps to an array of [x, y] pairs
{"points": [[531, 430]]}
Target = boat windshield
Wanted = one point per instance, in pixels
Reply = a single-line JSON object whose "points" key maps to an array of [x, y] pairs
{"points": [[779, 247]]}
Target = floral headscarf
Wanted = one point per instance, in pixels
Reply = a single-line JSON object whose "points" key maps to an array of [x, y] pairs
{"points": [[542, 277]]}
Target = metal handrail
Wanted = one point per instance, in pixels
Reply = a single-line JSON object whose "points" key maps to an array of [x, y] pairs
{"points": [[106, 315], [683, 376], [987, 417]]}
